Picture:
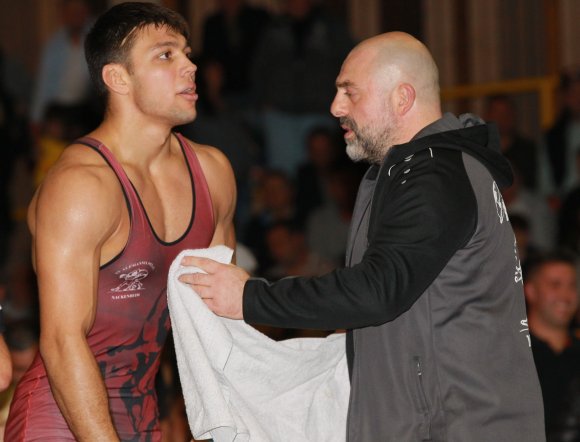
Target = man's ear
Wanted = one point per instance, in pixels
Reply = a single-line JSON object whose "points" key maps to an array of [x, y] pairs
{"points": [[115, 76], [404, 98]]}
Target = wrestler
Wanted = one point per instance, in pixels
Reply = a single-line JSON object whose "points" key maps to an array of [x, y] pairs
{"points": [[107, 222]]}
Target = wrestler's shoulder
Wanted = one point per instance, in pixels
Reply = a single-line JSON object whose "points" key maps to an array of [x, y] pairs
{"points": [[80, 177], [79, 165], [211, 158]]}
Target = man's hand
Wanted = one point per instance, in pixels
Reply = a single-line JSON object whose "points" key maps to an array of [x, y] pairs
{"points": [[221, 288]]}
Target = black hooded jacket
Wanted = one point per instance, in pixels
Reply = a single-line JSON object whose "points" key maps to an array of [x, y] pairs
{"points": [[432, 294]]}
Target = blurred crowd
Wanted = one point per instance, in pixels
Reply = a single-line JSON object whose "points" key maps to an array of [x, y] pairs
{"points": [[265, 83]]}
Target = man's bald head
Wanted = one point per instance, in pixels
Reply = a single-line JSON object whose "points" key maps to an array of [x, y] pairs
{"points": [[387, 91], [397, 57]]}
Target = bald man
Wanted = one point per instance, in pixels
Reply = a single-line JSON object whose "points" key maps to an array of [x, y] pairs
{"points": [[432, 295]]}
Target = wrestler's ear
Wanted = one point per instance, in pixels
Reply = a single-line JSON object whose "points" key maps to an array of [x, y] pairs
{"points": [[404, 97], [115, 77]]}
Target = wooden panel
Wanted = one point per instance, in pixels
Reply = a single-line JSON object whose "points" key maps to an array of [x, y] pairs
{"points": [[568, 19], [365, 18]]}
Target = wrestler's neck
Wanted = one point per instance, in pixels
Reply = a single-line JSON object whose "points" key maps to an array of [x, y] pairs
{"points": [[134, 138]]}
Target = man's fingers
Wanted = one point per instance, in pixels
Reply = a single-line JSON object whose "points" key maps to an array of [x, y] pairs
{"points": [[206, 264], [196, 279], [204, 293], [201, 287]]}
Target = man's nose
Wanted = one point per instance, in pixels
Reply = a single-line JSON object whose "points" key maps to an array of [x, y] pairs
{"points": [[190, 68], [338, 108]]}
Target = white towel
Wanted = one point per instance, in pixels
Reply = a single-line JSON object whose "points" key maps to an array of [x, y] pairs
{"points": [[240, 385]]}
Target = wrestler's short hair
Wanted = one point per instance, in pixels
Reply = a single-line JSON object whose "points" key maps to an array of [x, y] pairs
{"points": [[114, 33]]}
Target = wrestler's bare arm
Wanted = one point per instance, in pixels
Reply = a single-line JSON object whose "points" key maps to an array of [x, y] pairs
{"points": [[71, 218], [222, 186]]}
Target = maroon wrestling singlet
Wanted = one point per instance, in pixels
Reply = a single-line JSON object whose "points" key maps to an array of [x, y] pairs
{"points": [[131, 323]]}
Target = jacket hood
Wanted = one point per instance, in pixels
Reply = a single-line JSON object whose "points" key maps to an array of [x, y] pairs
{"points": [[472, 136]]}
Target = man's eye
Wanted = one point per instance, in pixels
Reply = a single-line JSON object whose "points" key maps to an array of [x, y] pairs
{"points": [[165, 55]]}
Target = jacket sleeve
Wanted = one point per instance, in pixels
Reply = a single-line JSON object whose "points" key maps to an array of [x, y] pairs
{"points": [[420, 219]]}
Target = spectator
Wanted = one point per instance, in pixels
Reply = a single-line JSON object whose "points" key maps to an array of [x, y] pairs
{"points": [[22, 341], [55, 134], [563, 138], [14, 142], [63, 76], [293, 76], [230, 36], [551, 291], [275, 199], [328, 226], [521, 151], [323, 155], [519, 200], [526, 248], [569, 216], [291, 255]]}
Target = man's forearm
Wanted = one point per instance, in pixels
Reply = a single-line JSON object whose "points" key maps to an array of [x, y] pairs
{"points": [[79, 390]]}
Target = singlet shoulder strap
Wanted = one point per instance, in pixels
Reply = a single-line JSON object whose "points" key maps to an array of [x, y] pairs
{"points": [[201, 187], [129, 191]]}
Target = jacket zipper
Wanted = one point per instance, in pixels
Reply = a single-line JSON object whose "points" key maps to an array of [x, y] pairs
{"points": [[426, 425]]}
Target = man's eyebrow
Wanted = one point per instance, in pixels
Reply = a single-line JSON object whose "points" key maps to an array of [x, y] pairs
{"points": [[170, 44], [344, 84]]}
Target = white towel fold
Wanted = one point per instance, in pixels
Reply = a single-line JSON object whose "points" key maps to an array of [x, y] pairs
{"points": [[239, 385]]}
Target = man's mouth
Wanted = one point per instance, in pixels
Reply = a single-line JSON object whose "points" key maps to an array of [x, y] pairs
{"points": [[189, 93], [348, 132], [347, 126]]}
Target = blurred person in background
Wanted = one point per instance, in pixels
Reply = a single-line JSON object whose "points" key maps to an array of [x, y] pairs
{"points": [[275, 201], [231, 36], [569, 215], [534, 207], [293, 75], [323, 154], [22, 341], [551, 290], [562, 140], [14, 143], [291, 255], [328, 225], [519, 150], [63, 76]]}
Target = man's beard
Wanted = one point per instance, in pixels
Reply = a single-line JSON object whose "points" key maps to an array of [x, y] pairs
{"points": [[368, 144]]}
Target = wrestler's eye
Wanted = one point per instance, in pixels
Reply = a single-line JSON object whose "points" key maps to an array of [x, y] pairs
{"points": [[165, 55]]}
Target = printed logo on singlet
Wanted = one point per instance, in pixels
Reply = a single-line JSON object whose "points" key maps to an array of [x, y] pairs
{"points": [[132, 280], [525, 329], [499, 204]]}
